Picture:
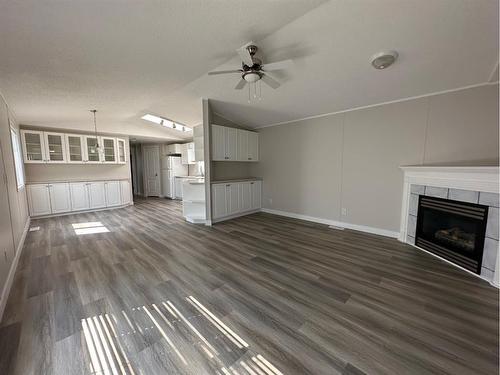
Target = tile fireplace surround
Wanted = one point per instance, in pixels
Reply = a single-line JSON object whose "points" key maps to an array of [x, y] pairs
{"points": [[466, 184]]}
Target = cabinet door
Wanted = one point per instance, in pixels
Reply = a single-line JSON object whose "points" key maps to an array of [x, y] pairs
{"points": [[231, 143], [256, 194], [218, 143], [74, 148], [242, 145], [245, 196], [253, 146], [184, 154], [54, 147], [60, 198], [108, 150], [178, 188], [233, 198], [97, 194], [113, 197], [33, 146], [121, 151], [92, 154], [39, 199], [125, 192], [190, 153], [219, 204], [79, 196]]}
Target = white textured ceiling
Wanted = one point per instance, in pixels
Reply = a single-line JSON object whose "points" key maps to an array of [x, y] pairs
{"points": [[59, 59]]}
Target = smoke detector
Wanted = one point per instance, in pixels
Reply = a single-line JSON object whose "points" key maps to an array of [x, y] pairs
{"points": [[383, 60]]}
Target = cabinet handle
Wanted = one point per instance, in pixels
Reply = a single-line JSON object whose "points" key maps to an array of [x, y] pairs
{"points": [[226, 157], [251, 183], [228, 185]]}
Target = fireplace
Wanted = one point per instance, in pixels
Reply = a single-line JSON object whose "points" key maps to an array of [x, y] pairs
{"points": [[453, 230]]}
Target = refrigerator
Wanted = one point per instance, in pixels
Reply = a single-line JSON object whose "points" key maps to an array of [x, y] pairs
{"points": [[170, 167]]}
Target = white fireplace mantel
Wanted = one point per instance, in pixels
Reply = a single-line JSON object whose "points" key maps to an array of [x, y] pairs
{"points": [[482, 179]]}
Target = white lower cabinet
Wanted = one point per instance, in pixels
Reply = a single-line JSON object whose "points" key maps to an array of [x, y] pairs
{"points": [[235, 198], [79, 196], [97, 194], [125, 192], [39, 199], [60, 198], [113, 197], [57, 198]]}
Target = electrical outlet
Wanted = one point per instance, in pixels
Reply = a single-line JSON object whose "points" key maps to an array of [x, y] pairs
{"points": [[344, 211]]}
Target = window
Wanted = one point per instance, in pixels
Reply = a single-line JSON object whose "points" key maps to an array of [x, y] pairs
{"points": [[18, 158]]}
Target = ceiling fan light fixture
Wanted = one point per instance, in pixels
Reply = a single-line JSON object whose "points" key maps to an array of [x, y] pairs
{"points": [[383, 60], [251, 77]]}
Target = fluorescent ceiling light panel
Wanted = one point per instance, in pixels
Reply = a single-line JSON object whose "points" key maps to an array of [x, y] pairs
{"points": [[166, 122]]}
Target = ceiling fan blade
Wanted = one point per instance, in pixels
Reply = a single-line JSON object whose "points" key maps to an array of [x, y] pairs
{"points": [[245, 55], [270, 81], [284, 64], [240, 84], [224, 72]]}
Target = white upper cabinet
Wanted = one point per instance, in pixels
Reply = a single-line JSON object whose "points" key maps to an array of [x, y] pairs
{"points": [[253, 146], [92, 154], [55, 148], [60, 197], [74, 148], [33, 146], [121, 151], [231, 144], [108, 148]]}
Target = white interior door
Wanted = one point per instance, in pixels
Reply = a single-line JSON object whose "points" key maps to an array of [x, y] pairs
{"points": [[39, 199], [112, 193], [60, 198], [7, 251], [152, 170], [79, 196]]}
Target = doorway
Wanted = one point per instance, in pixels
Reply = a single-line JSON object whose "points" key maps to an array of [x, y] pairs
{"points": [[151, 156]]}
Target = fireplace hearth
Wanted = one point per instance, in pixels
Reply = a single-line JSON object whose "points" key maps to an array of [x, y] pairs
{"points": [[453, 230]]}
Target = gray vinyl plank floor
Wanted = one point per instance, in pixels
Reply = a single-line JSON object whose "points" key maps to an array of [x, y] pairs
{"points": [[258, 295]]}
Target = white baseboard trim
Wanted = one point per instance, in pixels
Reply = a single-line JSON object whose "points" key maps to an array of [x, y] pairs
{"points": [[12, 271], [83, 211], [234, 216], [361, 228]]}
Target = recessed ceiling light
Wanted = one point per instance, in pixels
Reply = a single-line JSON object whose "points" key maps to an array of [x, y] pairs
{"points": [[383, 60], [166, 122]]}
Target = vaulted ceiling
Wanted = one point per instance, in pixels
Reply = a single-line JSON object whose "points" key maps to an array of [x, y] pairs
{"points": [[127, 58]]}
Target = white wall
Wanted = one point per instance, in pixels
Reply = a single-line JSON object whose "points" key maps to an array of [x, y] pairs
{"points": [[315, 167]]}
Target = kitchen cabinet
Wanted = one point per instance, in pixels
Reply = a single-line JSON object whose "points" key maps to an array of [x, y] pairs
{"points": [[39, 199], [74, 148], [190, 153], [172, 149], [178, 188], [97, 194], [235, 198], [55, 148], [80, 199], [230, 144], [113, 197], [125, 192], [33, 146], [60, 198], [92, 154], [256, 190], [108, 148], [121, 151]]}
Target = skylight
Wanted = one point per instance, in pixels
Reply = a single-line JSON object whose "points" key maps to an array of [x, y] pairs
{"points": [[166, 122]]}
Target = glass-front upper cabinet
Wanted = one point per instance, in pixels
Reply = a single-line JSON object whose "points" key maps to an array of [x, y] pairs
{"points": [[108, 149], [74, 148], [55, 149], [33, 146], [92, 146], [122, 156]]}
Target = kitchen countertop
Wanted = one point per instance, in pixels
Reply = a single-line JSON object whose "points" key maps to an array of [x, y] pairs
{"points": [[192, 177], [236, 180]]}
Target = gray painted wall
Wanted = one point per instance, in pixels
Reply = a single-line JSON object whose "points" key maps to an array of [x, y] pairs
{"points": [[315, 167]]}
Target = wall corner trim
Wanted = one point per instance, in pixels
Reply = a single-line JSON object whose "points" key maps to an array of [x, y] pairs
{"points": [[13, 267], [361, 228]]}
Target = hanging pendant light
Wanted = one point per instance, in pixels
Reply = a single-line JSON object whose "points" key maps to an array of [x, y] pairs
{"points": [[95, 149]]}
